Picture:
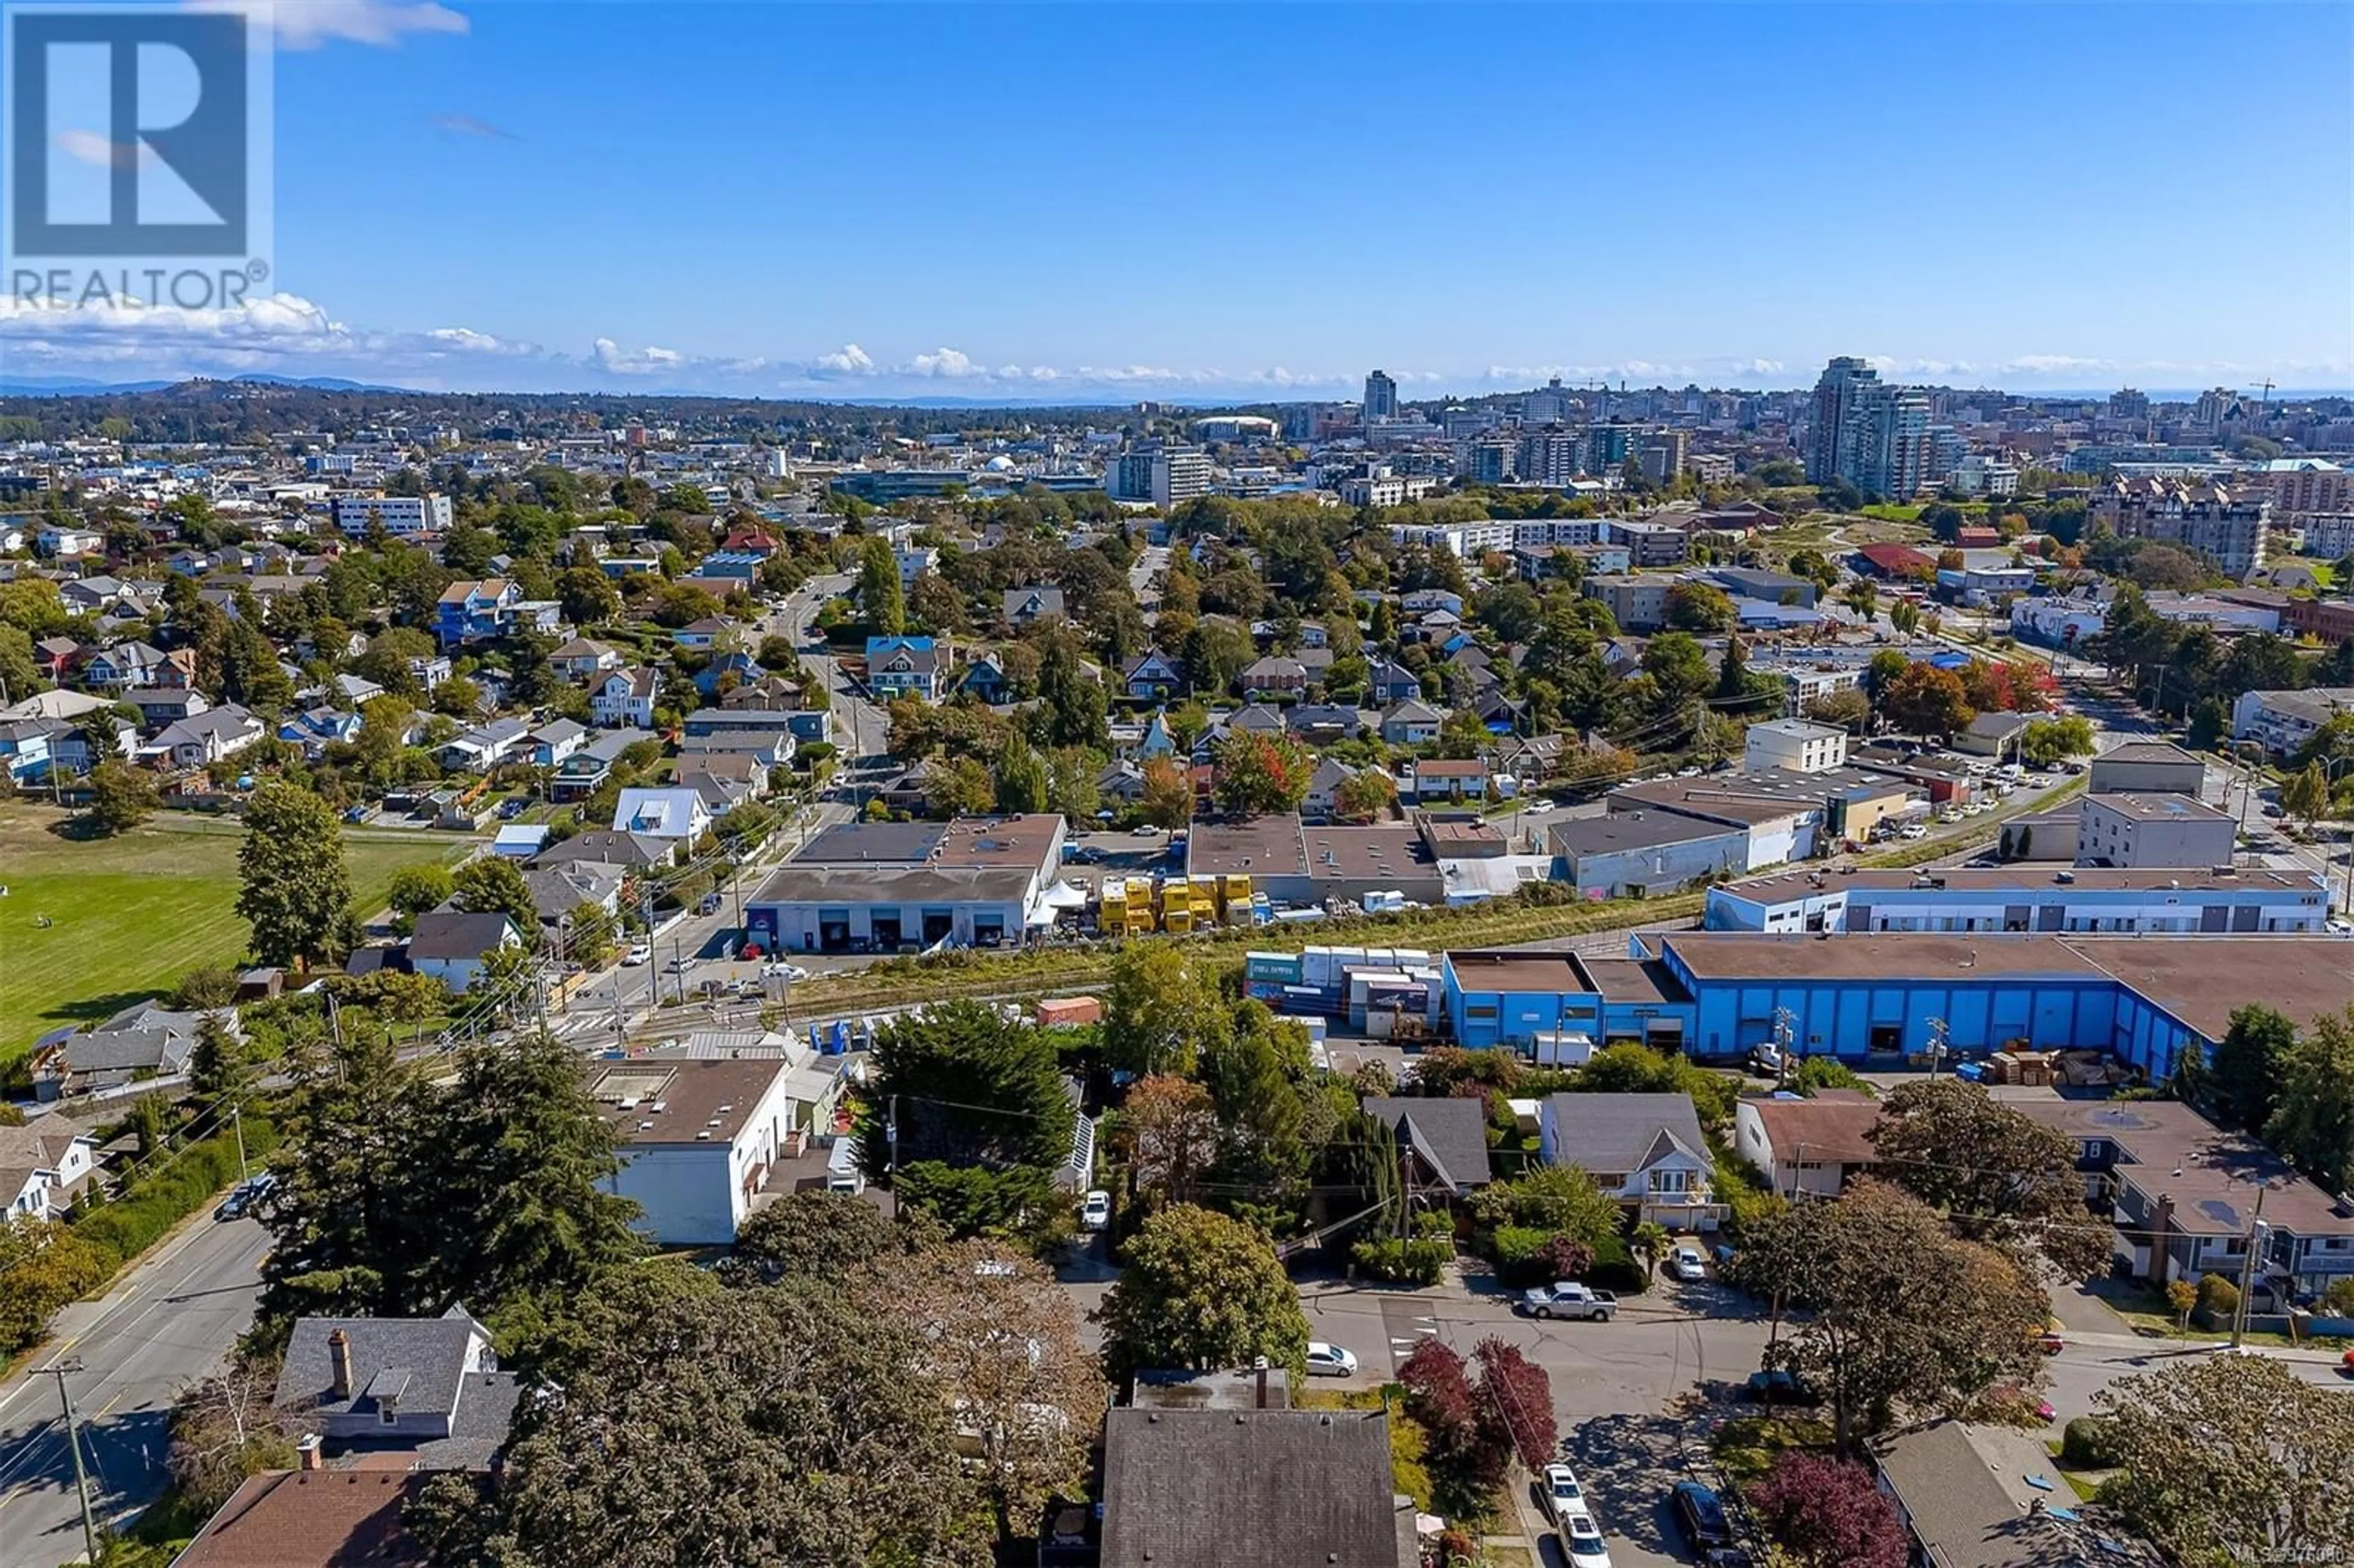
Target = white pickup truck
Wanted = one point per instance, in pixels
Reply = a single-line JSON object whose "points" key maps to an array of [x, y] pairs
{"points": [[1569, 1298]]}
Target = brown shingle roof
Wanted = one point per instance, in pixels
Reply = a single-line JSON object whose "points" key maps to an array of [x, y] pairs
{"points": [[311, 1519]]}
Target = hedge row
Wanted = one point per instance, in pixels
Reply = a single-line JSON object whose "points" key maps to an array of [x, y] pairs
{"points": [[169, 1192]]}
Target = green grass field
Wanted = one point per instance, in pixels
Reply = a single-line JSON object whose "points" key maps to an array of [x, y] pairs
{"points": [[129, 916]]}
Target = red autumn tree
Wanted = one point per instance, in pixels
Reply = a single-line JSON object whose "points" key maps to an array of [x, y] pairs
{"points": [[1826, 1513]]}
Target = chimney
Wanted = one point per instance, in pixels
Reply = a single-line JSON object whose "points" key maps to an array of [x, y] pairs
{"points": [[339, 1351], [311, 1448], [1261, 1385]]}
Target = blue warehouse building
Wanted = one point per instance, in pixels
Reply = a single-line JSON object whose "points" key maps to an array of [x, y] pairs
{"points": [[1869, 1003]]}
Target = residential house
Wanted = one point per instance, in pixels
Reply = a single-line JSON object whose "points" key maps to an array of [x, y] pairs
{"points": [[584, 772], [700, 1138], [1443, 1140], [552, 742], [581, 659], [429, 671], [483, 749], [28, 747], [126, 665], [558, 890], [1446, 779], [314, 729], [985, 679], [1411, 723], [724, 779], [897, 666], [470, 611], [1186, 1487], [662, 814], [353, 689], [140, 1043], [626, 697], [208, 737], [92, 595], [1389, 682], [1274, 675], [1028, 606], [1431, 602], [1974, 1496], [54, 657], [1811, 1145], [728, 669], [44, 1165], [1322, 799], [2181, 1194], [711, 631], [427, 1388], [632, 851], [1323, 724], [65, 542], [519, 841], [313, 1519], [1153, 676], [455, 947], [1646, 1150]]}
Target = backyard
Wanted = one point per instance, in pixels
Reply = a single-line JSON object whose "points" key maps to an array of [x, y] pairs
{"points": [[128, 915]]}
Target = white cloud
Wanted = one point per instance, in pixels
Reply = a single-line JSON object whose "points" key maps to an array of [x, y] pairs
{"points": [[948, 363], [848, 360], [648, 361], [310, 24]]}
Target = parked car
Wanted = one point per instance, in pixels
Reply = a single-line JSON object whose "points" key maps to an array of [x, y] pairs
{"points": [[1331, 1361], [1912, 830], [1687, 1264], [1700, 1514], [1564, 1496], [1095, 1211], [1778, 1385], [639, 953], [777, 968], [244, 1195], [709, 906], [511, 807], [1765, 1059], [1147, 830], [1569, 1298], [1582, 1544]]}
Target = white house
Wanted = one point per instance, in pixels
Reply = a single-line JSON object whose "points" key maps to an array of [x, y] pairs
{"points": [[43, 1164], [625, 699], [672, 813], [1646, 1150], [455, 949], [1809, 1145], [700, 1137]]}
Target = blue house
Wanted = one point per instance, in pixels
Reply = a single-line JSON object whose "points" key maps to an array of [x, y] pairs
{"points": [[468, 610], [903, 664]]}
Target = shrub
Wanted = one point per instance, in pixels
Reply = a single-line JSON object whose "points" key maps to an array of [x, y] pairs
{"points": [[1814, 1073], [1401, 1260], [2338, 1299], [1615, 1268], [2218, 1294], [2084, 1444], [169, 1191], [1519, 1253]]}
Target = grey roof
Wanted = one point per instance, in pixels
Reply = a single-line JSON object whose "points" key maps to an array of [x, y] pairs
{"points": [[1615, 832], [558, 890], [1615, 1134], [128, 1050], [1450, 1133], [1963, 1489], [431, 1353], [1033, 601], [1214, 1488], [457, 936]]}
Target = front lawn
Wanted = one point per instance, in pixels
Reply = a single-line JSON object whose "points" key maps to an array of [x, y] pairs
{"points": [[129, 916]]}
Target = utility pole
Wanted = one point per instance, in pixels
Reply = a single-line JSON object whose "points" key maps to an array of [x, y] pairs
{"points": [[58, 1370], [1785, 1037], [2257, 1231], [237, 1120], [1940, 1032]]}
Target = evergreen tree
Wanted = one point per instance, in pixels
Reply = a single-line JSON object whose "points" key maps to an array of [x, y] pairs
{"points": [[1022, 784], [1075, 702], [880, 593], [293, 888], [1733, 672]]}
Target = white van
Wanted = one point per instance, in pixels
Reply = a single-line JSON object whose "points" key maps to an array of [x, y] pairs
{"points": [[842, 1171]]}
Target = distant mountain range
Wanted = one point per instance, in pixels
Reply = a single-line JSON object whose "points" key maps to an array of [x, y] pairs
{"points": [[81, 387]]}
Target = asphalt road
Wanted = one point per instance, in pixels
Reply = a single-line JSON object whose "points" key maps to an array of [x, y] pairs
{"points": [[165, 1326]]}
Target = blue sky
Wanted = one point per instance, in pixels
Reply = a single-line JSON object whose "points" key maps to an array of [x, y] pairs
{"points": [[1135, 200]]}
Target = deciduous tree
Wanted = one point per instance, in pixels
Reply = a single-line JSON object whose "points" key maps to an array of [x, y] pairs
{"points": [[294, 889], [1925, 700], [1996, 1173], [1261, 774], [489, 885], [1169, 1134], [1828, 1513], [120, 797], [1167, 800], [1202, 1290], [1160, 1012], [2232, 1459]]}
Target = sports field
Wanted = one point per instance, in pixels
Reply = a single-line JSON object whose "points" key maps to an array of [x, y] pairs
{"points": [[129, 916]]}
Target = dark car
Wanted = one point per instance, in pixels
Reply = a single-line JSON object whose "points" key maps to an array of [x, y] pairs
{"points": [[1700, 1514], [511, 807], [1777, 1385]]}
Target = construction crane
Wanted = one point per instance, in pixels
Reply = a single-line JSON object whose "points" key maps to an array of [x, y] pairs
{"points": [[2266, 390]]}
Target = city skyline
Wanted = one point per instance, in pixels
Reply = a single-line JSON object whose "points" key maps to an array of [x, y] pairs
{"points": [[457, 210]]}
